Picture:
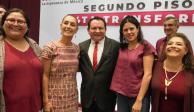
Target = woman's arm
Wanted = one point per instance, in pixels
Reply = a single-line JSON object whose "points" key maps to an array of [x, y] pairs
{"points": [[46, 65], [147, 66]]}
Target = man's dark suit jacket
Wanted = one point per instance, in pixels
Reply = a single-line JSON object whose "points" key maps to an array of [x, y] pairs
{"points": [[96, 84]]}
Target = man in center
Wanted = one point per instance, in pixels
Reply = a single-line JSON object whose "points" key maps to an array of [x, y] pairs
{"points": [[98, 57]]}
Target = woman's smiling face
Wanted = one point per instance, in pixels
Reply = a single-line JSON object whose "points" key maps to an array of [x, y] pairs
{"points": [[130, 32], [15, 25]]}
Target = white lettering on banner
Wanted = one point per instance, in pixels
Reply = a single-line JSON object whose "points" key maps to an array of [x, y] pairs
{"points": [[193, 18], [106, 18], [150, 13], [157, 18], [183, 18], [115, 19], [145, 18]]}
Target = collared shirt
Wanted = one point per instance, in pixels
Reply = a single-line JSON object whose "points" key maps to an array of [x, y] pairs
{"points": [[160, 44], [100, 50]]}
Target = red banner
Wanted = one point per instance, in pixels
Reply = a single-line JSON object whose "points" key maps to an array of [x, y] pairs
{"points": [[149, 18]]}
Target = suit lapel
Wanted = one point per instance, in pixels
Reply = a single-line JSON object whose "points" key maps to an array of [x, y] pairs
{"points": [[86, 48]]}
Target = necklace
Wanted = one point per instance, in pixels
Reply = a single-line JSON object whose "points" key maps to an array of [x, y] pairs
{"points": [[168, 81]]}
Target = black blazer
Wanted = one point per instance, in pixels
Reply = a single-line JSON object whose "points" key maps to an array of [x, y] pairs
{"points": [[97, 83]]}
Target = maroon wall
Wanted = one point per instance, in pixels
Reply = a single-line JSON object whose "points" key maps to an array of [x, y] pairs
{"points": [[32, 8]]}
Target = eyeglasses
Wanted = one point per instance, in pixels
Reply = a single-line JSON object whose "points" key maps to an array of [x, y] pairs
{"points": [[19, 22]]}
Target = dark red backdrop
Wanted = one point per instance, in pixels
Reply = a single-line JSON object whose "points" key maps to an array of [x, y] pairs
{"points": [[32, 8]]}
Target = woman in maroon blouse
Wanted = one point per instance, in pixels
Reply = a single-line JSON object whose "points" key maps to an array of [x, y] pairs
{"points": [[133, 71], [173, 78], [20, 67]]}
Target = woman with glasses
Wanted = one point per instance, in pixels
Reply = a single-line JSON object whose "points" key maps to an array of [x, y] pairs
{"points": [[20, 67]]}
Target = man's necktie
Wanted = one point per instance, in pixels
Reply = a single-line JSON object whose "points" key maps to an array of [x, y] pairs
{"points": [[95, 55]]}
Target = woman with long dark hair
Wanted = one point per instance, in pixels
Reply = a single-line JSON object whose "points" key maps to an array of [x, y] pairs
{"points": [[133, 71]]}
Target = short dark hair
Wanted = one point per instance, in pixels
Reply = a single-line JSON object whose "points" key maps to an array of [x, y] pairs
{"points": [[96, 18], [2, 6], [7, 13], [176, 21]]}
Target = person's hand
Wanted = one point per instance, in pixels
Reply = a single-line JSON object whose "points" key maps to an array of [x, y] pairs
{"points": [[137, 106], [48, 107]]}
